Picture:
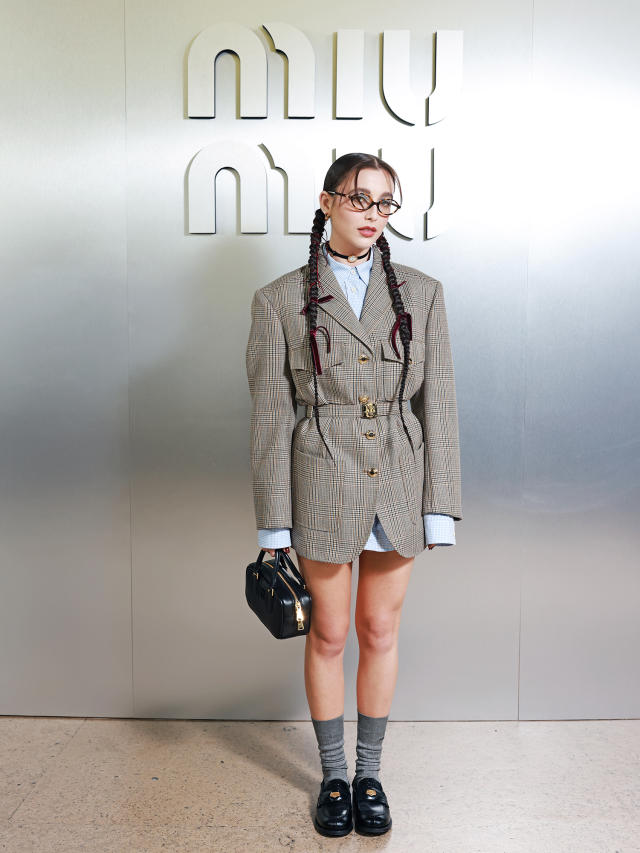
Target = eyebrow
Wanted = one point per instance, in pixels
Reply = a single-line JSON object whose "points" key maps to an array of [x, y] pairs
{"points": [[387, 194]]}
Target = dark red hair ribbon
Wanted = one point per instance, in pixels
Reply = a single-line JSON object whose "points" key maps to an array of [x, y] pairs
{"points": [[396, 285], [321, 299], [396, 326], [314, 346]]}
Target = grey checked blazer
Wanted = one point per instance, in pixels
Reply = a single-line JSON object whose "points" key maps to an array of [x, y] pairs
{"points": [[329, 500]]}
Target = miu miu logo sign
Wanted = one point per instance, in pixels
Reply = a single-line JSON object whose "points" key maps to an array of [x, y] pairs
{"points": [[290, 153]]}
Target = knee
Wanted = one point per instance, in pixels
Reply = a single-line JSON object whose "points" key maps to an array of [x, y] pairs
{"points": [[328, 640], [377, 633]]}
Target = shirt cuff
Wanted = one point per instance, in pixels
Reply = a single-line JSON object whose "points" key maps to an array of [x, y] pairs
{"points": [[439, 529], [275, 537]]}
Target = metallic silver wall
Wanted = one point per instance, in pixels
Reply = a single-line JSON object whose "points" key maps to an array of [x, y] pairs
{"points": [[126, 518]]}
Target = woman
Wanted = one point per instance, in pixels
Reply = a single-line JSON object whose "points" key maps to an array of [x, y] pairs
{"points": [[353, 337]]}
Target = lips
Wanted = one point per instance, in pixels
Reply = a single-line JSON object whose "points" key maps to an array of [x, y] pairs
{"points": [[367, 232]]}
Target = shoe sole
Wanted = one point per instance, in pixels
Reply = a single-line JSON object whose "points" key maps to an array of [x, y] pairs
{"points": [[369, 830], [331, 832]]}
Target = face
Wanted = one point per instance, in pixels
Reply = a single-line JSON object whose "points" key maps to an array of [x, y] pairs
{"points": [[353, 231]]}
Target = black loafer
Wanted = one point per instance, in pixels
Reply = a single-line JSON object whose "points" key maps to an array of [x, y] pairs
{"points": [[371, 812], [334, 815]]}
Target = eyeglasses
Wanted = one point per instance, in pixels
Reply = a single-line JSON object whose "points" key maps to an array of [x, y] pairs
{"points": [[363, 201]]}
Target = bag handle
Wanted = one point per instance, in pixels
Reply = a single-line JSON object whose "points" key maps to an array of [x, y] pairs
{"points": [[281, 555], [292, 568]]}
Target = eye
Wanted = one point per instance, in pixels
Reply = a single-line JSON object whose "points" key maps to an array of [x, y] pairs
{"points": [[361, 200], [388, 206]]}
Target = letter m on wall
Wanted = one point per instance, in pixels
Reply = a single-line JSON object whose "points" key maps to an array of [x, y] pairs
{"points": [[252, 53], [253, 70]]}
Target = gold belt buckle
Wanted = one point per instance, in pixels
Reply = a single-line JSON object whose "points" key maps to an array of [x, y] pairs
{"points": [[369, 410]]}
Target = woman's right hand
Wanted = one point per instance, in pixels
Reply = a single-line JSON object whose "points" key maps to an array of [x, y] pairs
{"points": [[272, 551]]}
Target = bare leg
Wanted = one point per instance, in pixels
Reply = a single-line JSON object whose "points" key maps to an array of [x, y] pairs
{"points": [[330, 588], [382, 583]]}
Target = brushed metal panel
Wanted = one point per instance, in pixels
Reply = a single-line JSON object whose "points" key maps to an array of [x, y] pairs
{"points": [[124, 400], [581, 579], [198, 651], [65, 577]]}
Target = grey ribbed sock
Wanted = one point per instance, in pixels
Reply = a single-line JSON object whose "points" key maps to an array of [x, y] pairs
{"points": [[330, 736], [369, 745]]}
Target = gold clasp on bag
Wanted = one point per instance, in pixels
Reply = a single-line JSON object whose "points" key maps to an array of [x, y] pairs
{"points": [[369, 410]]}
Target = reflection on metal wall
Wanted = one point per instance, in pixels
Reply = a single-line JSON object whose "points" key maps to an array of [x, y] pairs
{"points": [[170, 185]]}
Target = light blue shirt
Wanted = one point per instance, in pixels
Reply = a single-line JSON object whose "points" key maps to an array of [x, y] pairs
{"points": [[439, 528]]}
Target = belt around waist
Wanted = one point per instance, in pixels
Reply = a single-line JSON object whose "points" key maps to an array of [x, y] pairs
{"points": [[355, 410]]}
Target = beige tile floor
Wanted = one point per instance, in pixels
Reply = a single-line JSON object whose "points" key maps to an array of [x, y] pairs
{"points": [[94, 785]]}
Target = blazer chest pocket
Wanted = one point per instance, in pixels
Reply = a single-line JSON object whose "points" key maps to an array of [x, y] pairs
{"points": [[391, 368], [301, 364]]}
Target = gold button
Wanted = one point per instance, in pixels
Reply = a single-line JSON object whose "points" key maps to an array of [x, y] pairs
{"points": [[363, 398], [372, 472], [370, 433], [362, 358], [334, 794], [370, 792]]}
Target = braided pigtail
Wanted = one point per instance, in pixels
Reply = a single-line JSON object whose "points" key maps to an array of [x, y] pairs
{"points": [[404, 324], [312, 307]]}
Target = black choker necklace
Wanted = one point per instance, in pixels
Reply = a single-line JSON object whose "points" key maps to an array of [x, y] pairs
{"points": [[349, 257]]}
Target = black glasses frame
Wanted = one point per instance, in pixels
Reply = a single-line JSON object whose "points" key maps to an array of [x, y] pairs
{"points": [[396, 206]]}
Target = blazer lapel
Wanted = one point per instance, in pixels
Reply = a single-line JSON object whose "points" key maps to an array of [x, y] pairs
{"points": [[377, 303]]}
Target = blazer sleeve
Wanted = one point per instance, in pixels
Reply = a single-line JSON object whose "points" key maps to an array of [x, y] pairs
{"points": [[273, 415], [436, 408]]}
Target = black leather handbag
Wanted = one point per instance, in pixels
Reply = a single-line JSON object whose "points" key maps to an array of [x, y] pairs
{"points": [[280, 600]]}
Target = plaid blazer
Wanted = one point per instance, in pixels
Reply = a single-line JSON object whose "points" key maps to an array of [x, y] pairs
{"points": [[329, 499]]}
